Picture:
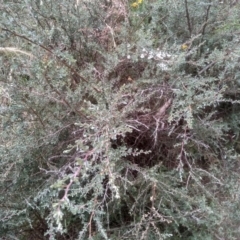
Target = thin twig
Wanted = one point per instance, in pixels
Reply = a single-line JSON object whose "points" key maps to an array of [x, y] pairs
{"points": [[206, 20], [207, 67], [188, 18]]}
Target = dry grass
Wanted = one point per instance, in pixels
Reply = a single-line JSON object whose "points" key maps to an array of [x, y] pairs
{"points": [[14, 50]]}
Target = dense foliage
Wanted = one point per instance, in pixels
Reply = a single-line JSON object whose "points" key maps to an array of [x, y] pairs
{"points": [[119, 119]]}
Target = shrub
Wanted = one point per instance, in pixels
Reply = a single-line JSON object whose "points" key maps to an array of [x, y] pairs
{"points": [[119, 122]]}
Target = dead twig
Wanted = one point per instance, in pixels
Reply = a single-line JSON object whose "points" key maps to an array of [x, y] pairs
{"points": [[162, 110]]}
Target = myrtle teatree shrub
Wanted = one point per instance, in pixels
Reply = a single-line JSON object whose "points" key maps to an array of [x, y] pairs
{"points": [[119, 119]]}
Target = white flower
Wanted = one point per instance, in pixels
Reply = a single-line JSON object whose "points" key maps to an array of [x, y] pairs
{"points": [[163, 66]]}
